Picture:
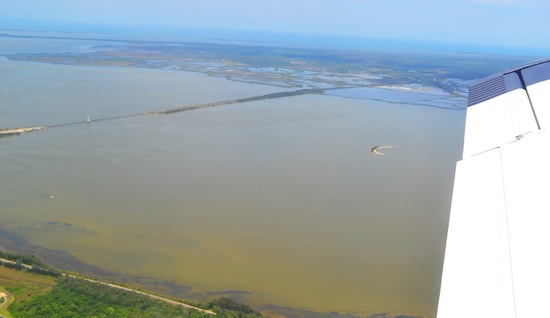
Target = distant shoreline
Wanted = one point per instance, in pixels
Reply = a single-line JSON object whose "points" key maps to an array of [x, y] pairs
{"points": [[273, 39]]}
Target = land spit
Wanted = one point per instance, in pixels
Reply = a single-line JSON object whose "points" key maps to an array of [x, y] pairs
{"points": [[17, 131], [237, 101]]}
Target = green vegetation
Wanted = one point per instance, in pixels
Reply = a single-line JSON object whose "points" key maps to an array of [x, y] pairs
{"points": [[227, 307], [38, 294], [79, 298], [32, 260], [24, 285], [74, 297], [6, 299], [241, 100]]}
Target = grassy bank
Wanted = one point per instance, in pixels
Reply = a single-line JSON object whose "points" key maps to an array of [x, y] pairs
{"points": [[32, 294]]}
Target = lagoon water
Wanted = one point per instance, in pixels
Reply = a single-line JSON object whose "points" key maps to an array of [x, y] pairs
{"points": [[281, 198]]}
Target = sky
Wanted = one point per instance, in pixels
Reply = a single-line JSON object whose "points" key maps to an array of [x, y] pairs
{"points": [[507, 23]]}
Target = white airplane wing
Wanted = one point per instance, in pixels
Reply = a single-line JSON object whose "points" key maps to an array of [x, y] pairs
{"points": [[497, 258]]}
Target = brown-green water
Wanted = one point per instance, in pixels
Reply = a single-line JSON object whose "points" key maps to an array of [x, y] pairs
{"points": [[281, 198]]}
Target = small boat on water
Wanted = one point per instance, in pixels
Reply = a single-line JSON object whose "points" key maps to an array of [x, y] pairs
{"points": [[375, 150]]}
